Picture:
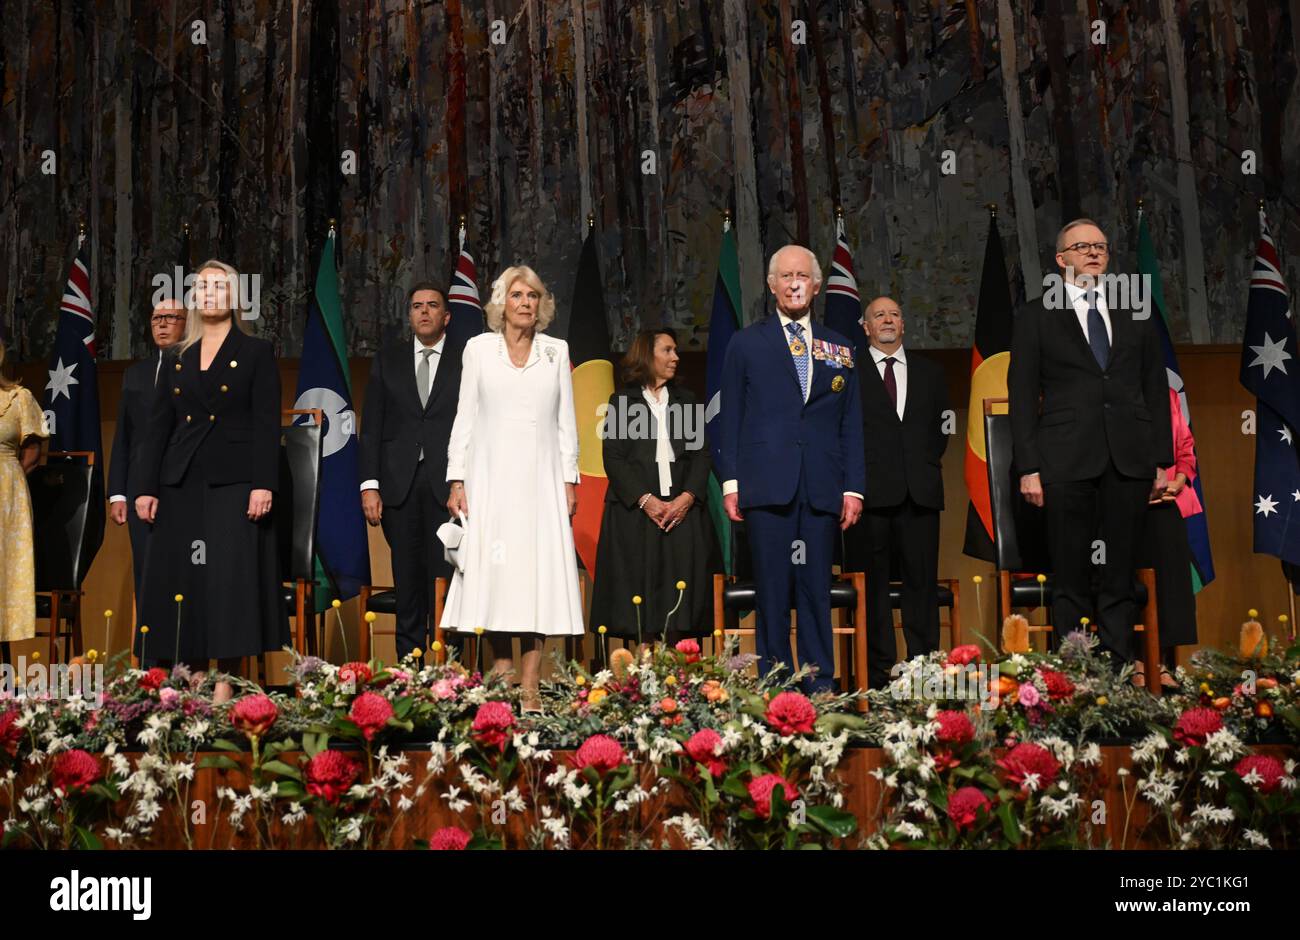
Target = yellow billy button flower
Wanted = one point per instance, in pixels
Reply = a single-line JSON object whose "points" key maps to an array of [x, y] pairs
{"points": [[681, 585], [336, 603], [478, 631], [371, 617], [717, 633], [601, 630], [108, 613], [178, 598], [1041, 579], [417, 652], [1253, 613], [1102, 700], [92, 655], [636, 599], [670, 680], [144, 629], [978, 579], [437, 646]]}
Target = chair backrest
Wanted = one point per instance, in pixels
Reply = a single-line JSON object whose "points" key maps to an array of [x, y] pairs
{"points": [[60, 489], [1019, 531], [301, 453]]}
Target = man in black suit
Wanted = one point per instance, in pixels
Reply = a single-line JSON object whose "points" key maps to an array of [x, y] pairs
{"points": [[904, 409], [1090, 429], [167, 325], [409, 410]]}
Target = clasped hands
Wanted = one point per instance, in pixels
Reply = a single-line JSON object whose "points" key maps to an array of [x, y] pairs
{"points": [[667, 514]]}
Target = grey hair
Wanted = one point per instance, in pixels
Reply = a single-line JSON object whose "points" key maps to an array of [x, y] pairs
{"points": [[816, 268], [1060, 236]]}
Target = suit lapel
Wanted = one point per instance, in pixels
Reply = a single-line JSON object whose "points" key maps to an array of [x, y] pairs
{"points": [[781, 340], [440, 377], [1073, 330], [870, 378], [403, 365]]}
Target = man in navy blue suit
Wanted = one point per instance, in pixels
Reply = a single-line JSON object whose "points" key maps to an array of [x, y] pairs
{"points": [[792, 461]]}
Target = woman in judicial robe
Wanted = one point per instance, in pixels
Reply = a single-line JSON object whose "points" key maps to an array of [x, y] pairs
{"points": [[656, 529], [209, 472]]}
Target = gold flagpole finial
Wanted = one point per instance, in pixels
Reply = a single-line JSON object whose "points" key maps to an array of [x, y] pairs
{"points": [[1139, 203], [333, 225], [81, 227], [462, 220], [993, 208], [839, 212], [185, 229], [1261, 204], [591, 221]]}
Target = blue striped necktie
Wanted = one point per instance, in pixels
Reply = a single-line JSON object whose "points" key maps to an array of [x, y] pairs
{"points": [[801, 357], [1097, 337]]}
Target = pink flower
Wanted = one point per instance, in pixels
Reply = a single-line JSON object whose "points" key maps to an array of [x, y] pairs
{"points": [[690, 649], [1195, 725], [330, 774], [791, 713], [954, 728], [449, 838], [601, 753], [370, 712], [702, 747], [1030, 760], [493, 723], [169, 698], [443, 689], [1028, 695], [1268, 769], [760, 791], [962, 655], [965, 807], [254, 715], [76, 771]]}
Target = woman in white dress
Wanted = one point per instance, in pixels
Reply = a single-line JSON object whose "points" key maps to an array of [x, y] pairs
{"points": [[512, 462]]}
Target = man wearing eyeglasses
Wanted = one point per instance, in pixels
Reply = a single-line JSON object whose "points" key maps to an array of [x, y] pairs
{"points": [[1090, 429], [167, 326]]}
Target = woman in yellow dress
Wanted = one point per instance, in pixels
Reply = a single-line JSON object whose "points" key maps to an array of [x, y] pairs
{"points": [[22, 426]]}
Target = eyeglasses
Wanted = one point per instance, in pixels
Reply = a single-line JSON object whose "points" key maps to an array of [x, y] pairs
{"points": [[167, 318], [1100, 247]]}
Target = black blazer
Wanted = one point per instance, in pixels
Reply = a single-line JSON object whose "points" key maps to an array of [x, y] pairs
{"points": [[630, 461], [234, 430], [1086, 417], [132, 423], [395, 427], [904, 457]]}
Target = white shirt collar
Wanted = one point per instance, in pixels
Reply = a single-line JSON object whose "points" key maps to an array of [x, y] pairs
{"points": [[1074, 292], [879, 355], [805, 321], [436, 347]]}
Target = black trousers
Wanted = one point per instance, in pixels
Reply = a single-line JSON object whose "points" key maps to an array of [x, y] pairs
{"points": [[139, 531], [1098, 520], [904, 538], [411, 530]]}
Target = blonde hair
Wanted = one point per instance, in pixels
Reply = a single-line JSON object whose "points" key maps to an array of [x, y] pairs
{"points": [[194, 319], [495, 308]]}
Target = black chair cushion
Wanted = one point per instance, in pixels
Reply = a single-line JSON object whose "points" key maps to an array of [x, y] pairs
{"points": [[383, 602], [742, 595], [67, 609], [1025, 593], [896, 596]]}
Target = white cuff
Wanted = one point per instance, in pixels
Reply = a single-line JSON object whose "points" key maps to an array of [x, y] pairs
{"points": [[729, 487], [369, 485], [117, 499], [848, 493]]}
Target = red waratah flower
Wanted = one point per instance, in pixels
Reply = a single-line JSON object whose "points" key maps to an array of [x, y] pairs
{"points": [[1058, 684], [152, 679], [75, 771], [965, 807], [1269, 768], [791, 713], [493, 723], [962, 655], [1196, 725], [253, 714], [1025, 759], [370, 712], [10, 733], [601, 753], [701, 747], [954, 728], [690, 649], [760, 791], [330, 774], [356, 673], [450, 838]]}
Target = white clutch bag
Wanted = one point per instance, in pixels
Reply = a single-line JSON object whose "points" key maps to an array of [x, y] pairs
{"points": [[454, 539]]}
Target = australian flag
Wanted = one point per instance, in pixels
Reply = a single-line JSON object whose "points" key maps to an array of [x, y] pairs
{"points": [[463, 301], [1271, 371], [843, 304], [72, 392]]}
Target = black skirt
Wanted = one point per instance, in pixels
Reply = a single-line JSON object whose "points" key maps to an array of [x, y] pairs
{"points": [[1165, 548], [635, 557], [226, 568]]}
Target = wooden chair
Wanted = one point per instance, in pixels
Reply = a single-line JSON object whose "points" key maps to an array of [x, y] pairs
{"points": [[1020, 547], [61, 492], [735, 593]]}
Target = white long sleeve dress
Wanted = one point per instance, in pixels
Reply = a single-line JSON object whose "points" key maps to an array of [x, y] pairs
{"points": [[515, 444]]}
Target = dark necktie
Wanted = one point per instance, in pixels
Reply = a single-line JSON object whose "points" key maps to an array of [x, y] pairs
{"points": [[891, 383], [1097, 338]]}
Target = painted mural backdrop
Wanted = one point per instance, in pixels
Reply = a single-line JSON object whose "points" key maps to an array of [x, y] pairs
{"points": [[256, 121]]}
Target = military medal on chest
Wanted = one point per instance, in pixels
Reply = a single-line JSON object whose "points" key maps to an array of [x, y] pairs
{"points": [[797, 347]]}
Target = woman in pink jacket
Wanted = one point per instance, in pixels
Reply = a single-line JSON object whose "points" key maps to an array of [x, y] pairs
{"points": [[1165, 546]]}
